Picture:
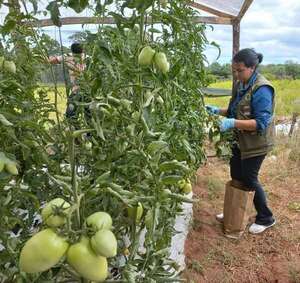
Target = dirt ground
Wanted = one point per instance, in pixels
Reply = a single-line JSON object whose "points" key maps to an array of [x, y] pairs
{"points": [[273, 256]]}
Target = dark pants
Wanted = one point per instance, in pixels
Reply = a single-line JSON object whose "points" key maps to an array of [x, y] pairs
{"points": [[246, 171], [72, 111]]}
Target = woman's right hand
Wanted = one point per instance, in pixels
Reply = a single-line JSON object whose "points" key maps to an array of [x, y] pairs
{"points": [[212, 109]]}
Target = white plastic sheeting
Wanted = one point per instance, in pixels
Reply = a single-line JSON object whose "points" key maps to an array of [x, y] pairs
{"points": [[284, 128], [182, 224], [232, 7], [176, 251]]}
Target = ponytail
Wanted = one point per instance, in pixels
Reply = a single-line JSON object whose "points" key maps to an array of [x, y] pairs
{"points": [[249, 57]]}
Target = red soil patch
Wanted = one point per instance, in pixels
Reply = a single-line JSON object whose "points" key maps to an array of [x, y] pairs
{"points": [[273, 256]]}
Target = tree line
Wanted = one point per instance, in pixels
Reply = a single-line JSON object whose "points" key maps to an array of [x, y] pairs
{"points": [[288, 70], [216, 71]]}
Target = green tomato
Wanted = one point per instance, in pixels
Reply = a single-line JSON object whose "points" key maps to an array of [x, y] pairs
{"points": [[11, 167], [53, 214], [88, 265], [88, 145], [146, 56], [181, 183], [187, 187], [2, 160], [99, 220], [9, 66], [104, 243], [163, 3], [161, 62], [42, 251], [136, 212]]}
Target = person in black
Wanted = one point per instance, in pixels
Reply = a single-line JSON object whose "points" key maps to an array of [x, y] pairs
{"points": [[75, 63]]}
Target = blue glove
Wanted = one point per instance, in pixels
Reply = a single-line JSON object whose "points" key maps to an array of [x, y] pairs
{"points": [[226, 124], [212, 109]]}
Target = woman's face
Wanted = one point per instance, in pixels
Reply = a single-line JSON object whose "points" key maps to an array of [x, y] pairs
{"points": [[241, 72]]}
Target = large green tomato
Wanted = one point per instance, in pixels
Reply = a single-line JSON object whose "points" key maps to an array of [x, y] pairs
{"points": [[161, 62], [86, 263], [146, 56], [2, 160], [9, 66], [48, 212], [11, 167], [99, 220], [104, 243], [187, 187], [42, 251], [136, 212]]}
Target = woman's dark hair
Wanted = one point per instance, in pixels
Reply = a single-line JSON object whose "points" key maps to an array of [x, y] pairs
{"points": [[249, 57], [76, 48]]}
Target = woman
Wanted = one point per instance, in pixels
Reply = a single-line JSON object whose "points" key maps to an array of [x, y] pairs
{"points": [[250, 114]]}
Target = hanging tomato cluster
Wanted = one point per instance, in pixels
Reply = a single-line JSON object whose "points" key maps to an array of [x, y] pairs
{"points": [[87, 256], [148, 55]]}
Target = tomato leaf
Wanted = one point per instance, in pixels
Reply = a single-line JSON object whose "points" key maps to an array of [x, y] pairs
{"points": [[170, 179], [4, 121], [156, 147], [173, 165], [78, 5], [54, 13]]}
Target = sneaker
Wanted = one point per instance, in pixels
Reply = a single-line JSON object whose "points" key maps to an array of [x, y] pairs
{"points": [[257, 228], [220, 217]]}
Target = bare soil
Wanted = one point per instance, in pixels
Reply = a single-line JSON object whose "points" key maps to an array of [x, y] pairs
{"points": [[273, 256]]}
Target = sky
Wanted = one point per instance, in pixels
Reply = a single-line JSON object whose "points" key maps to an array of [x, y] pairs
{"points": [[271, 27]]}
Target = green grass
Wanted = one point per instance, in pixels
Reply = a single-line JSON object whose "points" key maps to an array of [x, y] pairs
{"points": [[61, 99], [287, 93]]}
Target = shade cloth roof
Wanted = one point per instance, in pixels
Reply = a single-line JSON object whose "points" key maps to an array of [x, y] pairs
{"points": [[220, 11], [230, 7]]}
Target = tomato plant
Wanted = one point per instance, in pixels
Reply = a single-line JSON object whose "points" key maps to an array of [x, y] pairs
{"points": [[140, 128]]}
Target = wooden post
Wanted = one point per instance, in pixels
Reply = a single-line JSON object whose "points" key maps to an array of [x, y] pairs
{"points": [[294, 120], [235, 37], [235, 43]]}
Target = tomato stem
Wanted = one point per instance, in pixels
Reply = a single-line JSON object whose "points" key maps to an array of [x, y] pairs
{"points": [[73, 179]]}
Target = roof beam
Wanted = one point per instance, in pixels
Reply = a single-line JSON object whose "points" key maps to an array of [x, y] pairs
{"points": [[211, 10], [244, 9], [110, 20], [213, 20], [74, 21]]}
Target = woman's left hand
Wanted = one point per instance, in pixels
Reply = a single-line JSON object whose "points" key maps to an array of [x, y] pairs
{"points": [[226, 124]]}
